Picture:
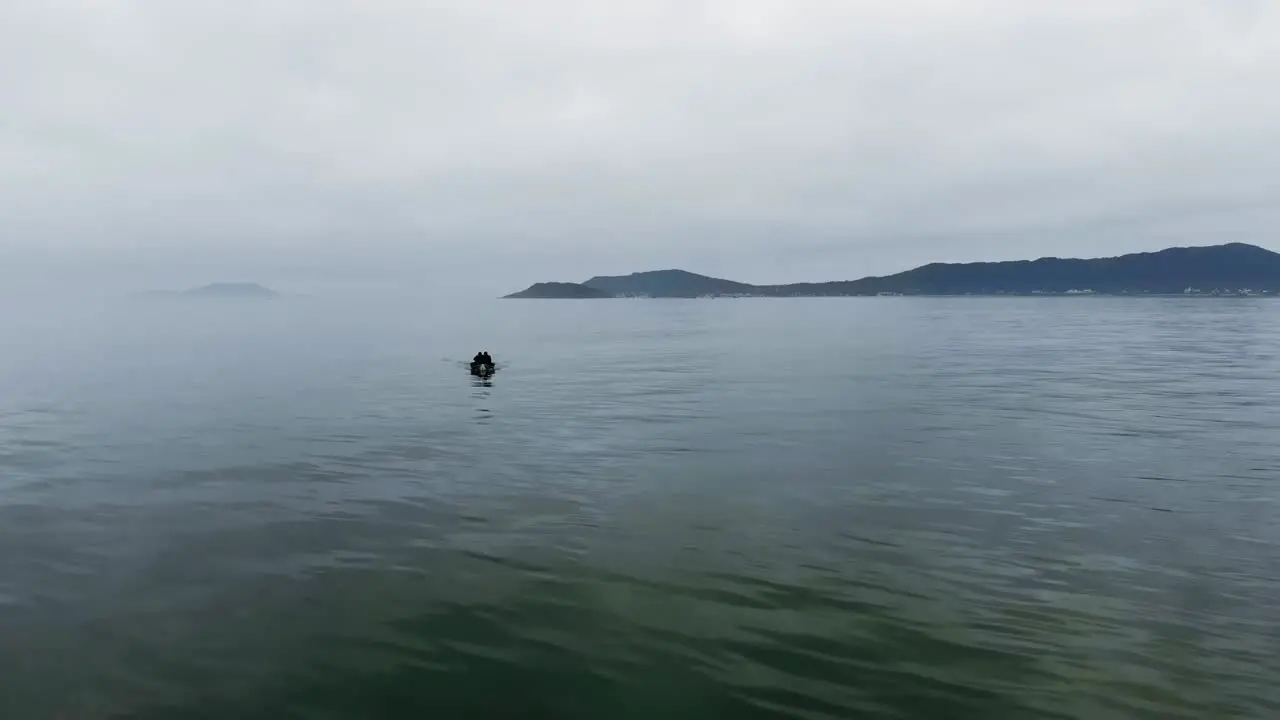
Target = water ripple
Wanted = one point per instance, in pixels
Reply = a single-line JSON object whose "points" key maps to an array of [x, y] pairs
{"points": [[978, 508]]}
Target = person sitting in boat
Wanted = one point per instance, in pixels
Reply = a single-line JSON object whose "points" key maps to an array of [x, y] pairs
{"points": [[482, 361]]}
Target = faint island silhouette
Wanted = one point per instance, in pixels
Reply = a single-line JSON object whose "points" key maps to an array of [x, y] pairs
{"points": [[229, 290], [1233, 269]]}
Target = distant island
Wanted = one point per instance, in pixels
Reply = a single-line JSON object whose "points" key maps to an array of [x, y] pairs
{"points": [[221, 290], [560, 291], [1230, 269]]}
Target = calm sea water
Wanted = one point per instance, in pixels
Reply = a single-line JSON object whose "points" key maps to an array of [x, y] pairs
{"points": [[862, 508]]}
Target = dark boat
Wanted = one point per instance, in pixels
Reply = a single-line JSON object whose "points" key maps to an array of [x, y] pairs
{"points": [[482, 369]]}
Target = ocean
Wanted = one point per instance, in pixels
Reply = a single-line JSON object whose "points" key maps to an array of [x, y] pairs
{"points": [[805, 508]]}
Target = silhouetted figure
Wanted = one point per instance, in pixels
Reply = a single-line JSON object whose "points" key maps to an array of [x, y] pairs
{"points": [[482, 363]]}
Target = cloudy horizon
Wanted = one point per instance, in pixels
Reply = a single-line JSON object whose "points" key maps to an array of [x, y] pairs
{"points": [[499, 143]]}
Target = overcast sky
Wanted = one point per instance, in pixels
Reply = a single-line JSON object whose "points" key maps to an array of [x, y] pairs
{"points": [[501, 143]]}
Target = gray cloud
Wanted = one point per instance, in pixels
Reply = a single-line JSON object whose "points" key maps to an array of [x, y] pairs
{"points": [[513, 141]]}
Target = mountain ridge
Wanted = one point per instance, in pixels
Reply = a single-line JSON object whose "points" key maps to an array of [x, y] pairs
{"points": [[558, 291], [665, 283], [1231, 268]]}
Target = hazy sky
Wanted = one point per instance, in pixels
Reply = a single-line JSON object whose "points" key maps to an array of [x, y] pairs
{"points": [[505, 142]]}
